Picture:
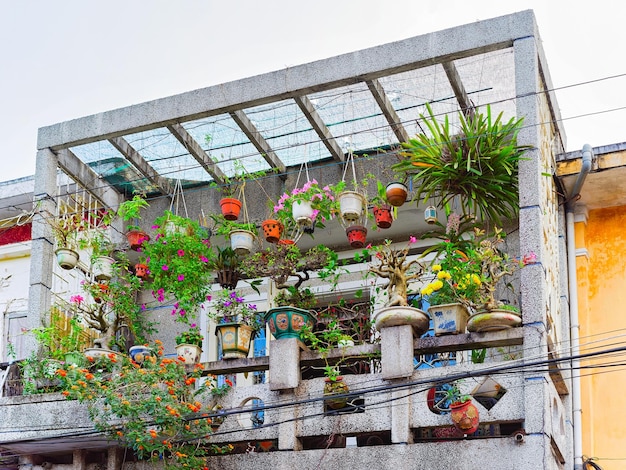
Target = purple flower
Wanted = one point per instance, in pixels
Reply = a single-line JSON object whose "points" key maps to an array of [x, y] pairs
{"points": [[227, 303], [208, 297], [233, 294]]}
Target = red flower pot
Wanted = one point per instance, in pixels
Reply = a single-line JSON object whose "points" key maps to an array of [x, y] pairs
{"points": [[141, 270], [136, 238], [231, 208], [383, 216], [465, 416], [356, 236], [286, 241], [272, 230], [396, 193]]}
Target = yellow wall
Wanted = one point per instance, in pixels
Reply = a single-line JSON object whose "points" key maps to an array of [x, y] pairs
{"points": [[602, 314]]}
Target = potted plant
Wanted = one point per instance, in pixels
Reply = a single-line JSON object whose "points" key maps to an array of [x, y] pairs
{"points": [[280, 263], [308, 205], [179, 262], [242, 235], [189, 345], [66, 228], [232, 189], [237, 323], [225, 263], [393, 265], [476, 167], [384, 213], [463, 412], [130, 210], [396, 193]]}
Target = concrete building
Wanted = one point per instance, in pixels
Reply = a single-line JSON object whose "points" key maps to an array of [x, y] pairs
{"points": [[362, 102]]}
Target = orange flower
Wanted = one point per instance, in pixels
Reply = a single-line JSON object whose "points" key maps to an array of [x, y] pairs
{"points": [[62, 372], [89, 376], [65, 392], [153, 433], [120, 433]]}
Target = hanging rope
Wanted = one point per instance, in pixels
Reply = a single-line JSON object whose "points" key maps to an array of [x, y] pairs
{"points": [[177, 197]]}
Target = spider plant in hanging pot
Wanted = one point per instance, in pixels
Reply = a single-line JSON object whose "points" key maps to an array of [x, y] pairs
{"points": [[130, 210], [476, 167]]}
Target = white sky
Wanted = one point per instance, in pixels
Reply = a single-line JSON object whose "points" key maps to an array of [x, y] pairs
{"points": [[65, 59]]}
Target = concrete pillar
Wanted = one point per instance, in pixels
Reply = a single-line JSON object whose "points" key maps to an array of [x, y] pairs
{"points": [[400, 417], [284, 364], [114, 458], [396, 347], [79, 459]]}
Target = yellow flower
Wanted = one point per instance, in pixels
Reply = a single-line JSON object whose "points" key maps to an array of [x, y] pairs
{"points": [[436, 285], [436, 268], [443, 275], [476, 280]]}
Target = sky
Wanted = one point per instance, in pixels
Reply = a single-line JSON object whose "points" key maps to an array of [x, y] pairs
{"points": [[64, 59]]}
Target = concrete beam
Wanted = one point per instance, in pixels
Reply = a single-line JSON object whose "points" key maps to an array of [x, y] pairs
{"points": [[459, 90], [368, 64], [320, 127], [193, 147], [388, 110], [141, 165]]}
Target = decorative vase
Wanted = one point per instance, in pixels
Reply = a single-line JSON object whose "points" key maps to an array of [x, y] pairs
{"points": [[493, 320], [141, 270], [235, 339], [402, 315], [136, 238], [287, 322], [231, 208], [67, 258], [272, 230], [190, 353], [465, 416], [396, 193], [383, 216], [449, 319], [227, 278], [102, 268], [335, 387], [356, 236], [302, 213], [242, 241], [140, 353], [351, 206]]}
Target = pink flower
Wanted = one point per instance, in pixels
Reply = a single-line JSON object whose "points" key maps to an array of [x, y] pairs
{"points": [[181, 277], [165, 267], [76, 299], [181, 253], [204, 259], [208, 297], [412, 240]]}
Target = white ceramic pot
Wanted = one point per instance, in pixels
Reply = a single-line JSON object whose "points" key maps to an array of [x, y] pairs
{"points": [[242, 241], [302, 213], [448, 319], [351, 206], [67, 259], [189, 352], [102, 268]]}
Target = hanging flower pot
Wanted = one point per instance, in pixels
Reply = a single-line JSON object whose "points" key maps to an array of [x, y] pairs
{"points": [[227, 278], [102, 268], [231, 208], [335, 386], [383, 216], [136, 238], [302, 213], [287, 322], [449, 319], [272, 230], [351, 206], [286, 241], [465, 416], [356, 236], [396, 193], [190, 353], [235, 339], [242, 241], [67, 258], [141, 270]]}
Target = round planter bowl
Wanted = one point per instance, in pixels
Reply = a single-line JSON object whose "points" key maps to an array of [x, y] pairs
{"points": [[493, 320], [67, 258], [396, 194], [287, 322], [102, 268], [140, 353], [402, 315], [190, 353]]}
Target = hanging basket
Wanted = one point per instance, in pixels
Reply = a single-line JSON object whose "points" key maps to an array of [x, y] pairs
{"points": [[396, 193], [67, 258], [272, 230], [383, 216], [351, 206], [102, 268], [141, 270], [136, 238], [231, 208], [356, 236], [302, 213], [242, 241]]}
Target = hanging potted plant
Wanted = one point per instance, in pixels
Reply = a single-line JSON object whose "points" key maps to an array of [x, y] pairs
{"points": [[307, 205], [476, 167], [237, 323], [393, 265], [396, 193], [66, 228], [189, 345], [225, 263], [384, 213], [130, 210], [463, 412], [272, 230]]}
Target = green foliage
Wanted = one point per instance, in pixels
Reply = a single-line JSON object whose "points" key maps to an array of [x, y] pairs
{"points": [[478, 166], [229, 306], [131, 210]]}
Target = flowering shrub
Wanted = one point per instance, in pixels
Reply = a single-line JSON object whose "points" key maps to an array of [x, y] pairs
{"points": [[321, 199], [230, 307], [191, 336], [159, 410], [179, 262]]}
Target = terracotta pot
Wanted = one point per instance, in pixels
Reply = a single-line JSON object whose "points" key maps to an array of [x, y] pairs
{"points": [[141, 270], [356, 236], [286, 241], [104, 289], [383, 216], [67, 258], [396, 193], [465, 417], [231, 208], [272, 230], [136, 238], [287, 322], [235, 339], [335, 387], [227, 278]]}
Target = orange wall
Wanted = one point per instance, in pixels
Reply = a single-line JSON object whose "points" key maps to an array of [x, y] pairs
{"points": [[602, 315]]}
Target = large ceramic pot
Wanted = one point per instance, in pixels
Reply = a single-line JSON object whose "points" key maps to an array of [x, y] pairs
{"points": [[287, 322], [272, 230], [396, 193], [190, 353], [401, 315], [231, 208], [242, 242], [235, 339], [465, 417], [67, 258], [449, 319], [493, 320], [335, 387]]}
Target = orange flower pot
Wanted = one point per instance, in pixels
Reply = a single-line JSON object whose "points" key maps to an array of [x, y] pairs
{"points": [[465, 416], [136, 238], [383, 216], [231, 208], [356, 236], [272, 230], [141, 270], [396, 194]]}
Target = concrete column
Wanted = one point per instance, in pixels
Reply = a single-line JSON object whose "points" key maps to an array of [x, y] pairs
{"points": [[396, 347], [289, 426], [401, 418], [114, 458], [79, 460], [284, 364]]}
